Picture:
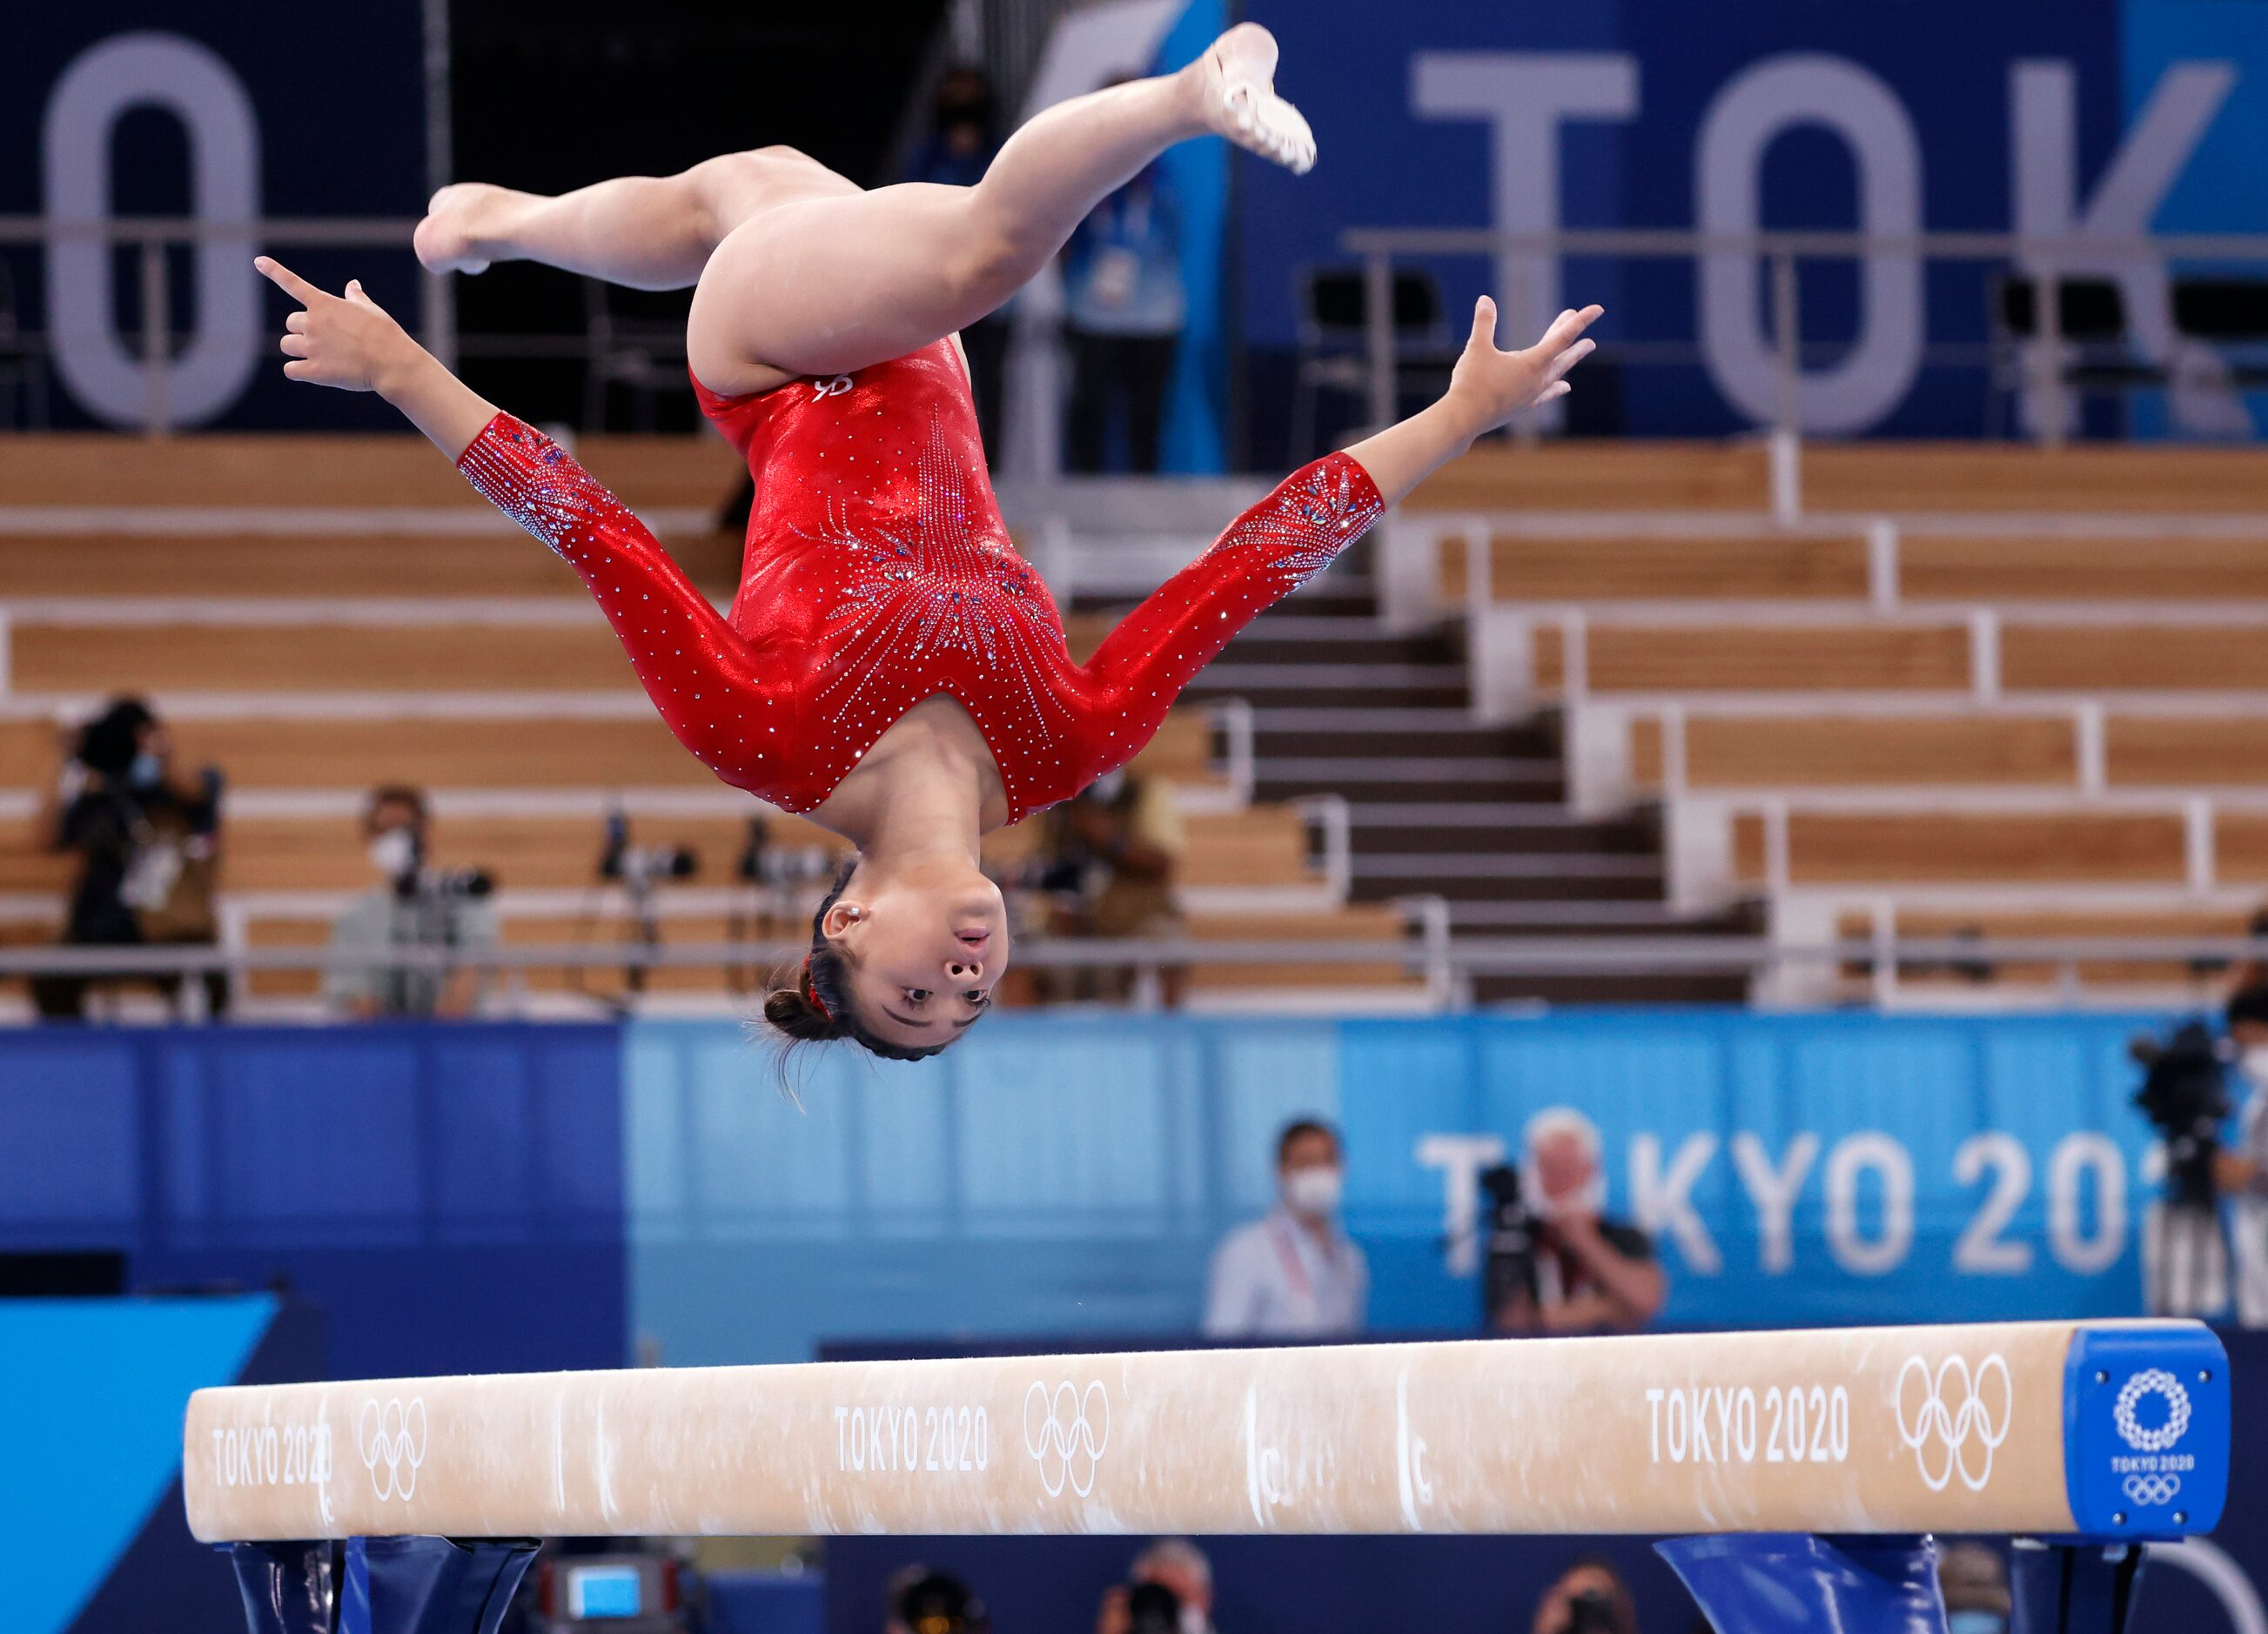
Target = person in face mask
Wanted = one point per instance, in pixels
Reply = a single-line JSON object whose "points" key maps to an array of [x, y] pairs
{"points": [[409, 906], [1295, 1273], [148, 845], [2240, 1167], [1593, 1274]]}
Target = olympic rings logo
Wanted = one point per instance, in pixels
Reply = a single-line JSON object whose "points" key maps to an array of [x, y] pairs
{"points": [[1959, 1422], [1069, 1439], [391, 1439], [2158, 1382], [2151, 1492]]}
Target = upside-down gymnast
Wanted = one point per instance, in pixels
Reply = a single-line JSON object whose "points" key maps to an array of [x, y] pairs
{"points": [[890, 667]]}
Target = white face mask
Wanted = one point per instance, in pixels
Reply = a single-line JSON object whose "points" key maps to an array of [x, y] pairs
{"points": [[2254, 1064], [393, 853], [1316, 1192], [1193, 1619]]}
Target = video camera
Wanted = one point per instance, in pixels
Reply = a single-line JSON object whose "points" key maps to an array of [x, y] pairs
{"points": [[1508, 1238], [2184, 1095], [642, 868], [1153, 1608]]}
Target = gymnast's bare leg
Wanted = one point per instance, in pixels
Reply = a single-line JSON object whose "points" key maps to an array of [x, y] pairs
{"points": [[797, 271]]}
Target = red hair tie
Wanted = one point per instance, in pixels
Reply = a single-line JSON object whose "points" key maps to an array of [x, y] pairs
{"points": [[812, 993]]}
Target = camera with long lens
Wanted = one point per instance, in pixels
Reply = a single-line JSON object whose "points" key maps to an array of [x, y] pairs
{"points": [[1508, 1238], [1592, 1612], [1153, 1608], [642, 868], [2184, 1095], [445, 885], [938, 1603]]}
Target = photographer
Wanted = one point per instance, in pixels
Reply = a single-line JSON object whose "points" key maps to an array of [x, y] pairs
{"points": [[415, 907], [2184, 1095], [148, 842], [1556, 1265], [921, 1601], [2242, 1171], [1169, 1591], [1589, 1598], [1112, 857]]}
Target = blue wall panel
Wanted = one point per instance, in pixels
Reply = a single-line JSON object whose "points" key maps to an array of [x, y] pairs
{"points": [[1070, 1175], [450, 1195]]}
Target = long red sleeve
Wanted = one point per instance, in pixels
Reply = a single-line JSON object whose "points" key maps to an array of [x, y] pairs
{"points": [[698, 671], [1265, 555]]}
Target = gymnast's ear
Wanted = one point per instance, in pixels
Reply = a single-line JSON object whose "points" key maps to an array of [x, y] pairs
{"points": [[840, 915]]}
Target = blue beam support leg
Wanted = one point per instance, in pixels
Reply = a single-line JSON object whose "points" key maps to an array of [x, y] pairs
{"points": [[380, 1585], [1780, 1582]]}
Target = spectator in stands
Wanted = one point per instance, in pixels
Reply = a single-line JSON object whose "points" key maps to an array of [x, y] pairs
{"points": [[1593, 1274], [1974, 1580], [1589, 1598], [414, 906], [148, 845], [963, 138], [923, 1601], [1294, 1274], [1169, 1591], [1112, 855], [2241, 1170], [1124, 308]]}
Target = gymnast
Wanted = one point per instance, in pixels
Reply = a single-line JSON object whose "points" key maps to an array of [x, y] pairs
{"points": [[890, 667]]}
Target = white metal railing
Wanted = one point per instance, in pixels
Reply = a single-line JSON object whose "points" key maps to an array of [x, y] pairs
{"points": [[1522, 260], [1447, 966]]}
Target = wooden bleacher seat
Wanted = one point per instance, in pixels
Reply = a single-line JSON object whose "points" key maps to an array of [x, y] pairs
{"points": [[1617, 475], [1760, 567], [1996, 568], [1889, 477], [2133, 658], [1973, 848], [2172, 751], [1366, 923], [325, 470], [1866, 751], [1734, 657], [318, 657]]}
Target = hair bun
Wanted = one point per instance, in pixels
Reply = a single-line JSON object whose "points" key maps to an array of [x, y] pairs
{"points": [[790, 1011]]}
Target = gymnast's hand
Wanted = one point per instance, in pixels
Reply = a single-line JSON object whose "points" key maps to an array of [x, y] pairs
{"points": [[1493, 385], [1488, 388], [344, 341], [350, 343]]}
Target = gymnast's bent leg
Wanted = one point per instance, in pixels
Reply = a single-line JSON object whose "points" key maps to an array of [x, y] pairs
{"points": [[826, 285]]}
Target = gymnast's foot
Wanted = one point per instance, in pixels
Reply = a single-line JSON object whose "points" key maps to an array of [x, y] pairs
{"points": [[1236, 83], [459, 232]]}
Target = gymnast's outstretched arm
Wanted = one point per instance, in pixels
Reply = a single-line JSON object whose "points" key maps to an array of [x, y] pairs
{"points": [[699, 672], [1299, 529]]}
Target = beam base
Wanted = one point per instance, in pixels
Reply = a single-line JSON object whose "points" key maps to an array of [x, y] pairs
{"points": [[2073, 1586], [379, 1585], [1780, 1582]]}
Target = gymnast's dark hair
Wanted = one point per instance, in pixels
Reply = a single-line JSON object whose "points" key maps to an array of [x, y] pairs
{"points": [[812, 1003]]}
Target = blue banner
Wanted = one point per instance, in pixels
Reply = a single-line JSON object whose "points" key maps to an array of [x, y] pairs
{"points": [[1073, 1173]]}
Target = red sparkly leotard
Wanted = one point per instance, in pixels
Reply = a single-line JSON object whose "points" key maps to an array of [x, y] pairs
{"points": [[879, 574]]}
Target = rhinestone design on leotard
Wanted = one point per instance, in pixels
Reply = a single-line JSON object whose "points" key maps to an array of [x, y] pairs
{"points": [[877, 573], [536, 482], [949, 585]]}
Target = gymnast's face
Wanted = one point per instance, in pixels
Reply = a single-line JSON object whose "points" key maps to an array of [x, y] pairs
{"points": [[927, 942]]}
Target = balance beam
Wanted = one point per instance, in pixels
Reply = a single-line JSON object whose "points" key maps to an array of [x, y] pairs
{"points": [[2105, 1430]]}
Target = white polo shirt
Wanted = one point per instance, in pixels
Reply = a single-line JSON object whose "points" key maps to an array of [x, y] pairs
{"points": [[1273, 1279]]}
